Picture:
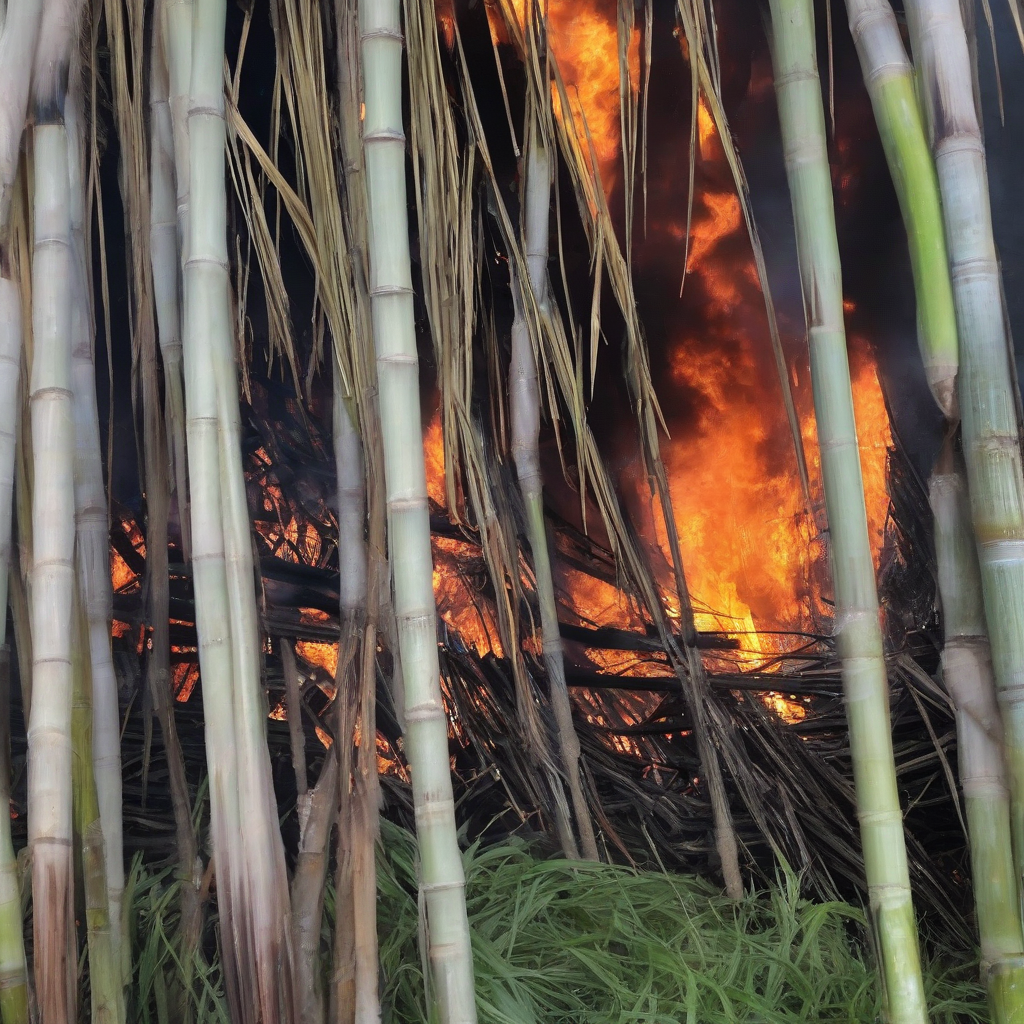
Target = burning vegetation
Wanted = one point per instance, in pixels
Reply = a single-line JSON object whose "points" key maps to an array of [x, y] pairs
{"points": [[639, 644]]}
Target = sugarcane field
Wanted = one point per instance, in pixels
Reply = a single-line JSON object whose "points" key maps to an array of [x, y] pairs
{"points": [[511, 511]]}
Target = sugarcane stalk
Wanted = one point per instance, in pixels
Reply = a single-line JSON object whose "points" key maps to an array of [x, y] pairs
{"points": [[857, 628], [106, 990], [18, 39], [363, 565], [296, 736], [252, 883], [889, 78], [19, 29], [351, 999], [990, 436], [53, 535], [92, 545], [176, 41], [967, 674], [164, 237], [156, 430], [308, 890], [13, 968], [442, 881], [524, 403]]}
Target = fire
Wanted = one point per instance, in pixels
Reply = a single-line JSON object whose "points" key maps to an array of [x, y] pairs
{"points": [[468, 614], [433, 457], [315, 652], [706, 137], [585, 42], [750, 543]]}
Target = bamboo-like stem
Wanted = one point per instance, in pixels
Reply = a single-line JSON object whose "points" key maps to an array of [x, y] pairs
{"points": [[176, 40], [967, 673], [889, 78], [442, 881], [362, 564], [990, 437], [92, 545], [296, 736], [53, 535], [308, 890], [252, 883], [106, 990], [19, 30], [164, 236], [349, 995], [13, 968], [858, 633], [524, 406], [156, 426], [18, 38]]}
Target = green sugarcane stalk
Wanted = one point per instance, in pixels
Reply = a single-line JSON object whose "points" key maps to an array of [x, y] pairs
{"points": [[92, 542], [967, 673], [105, 987], [13, 967], [53, 536], [889, 78], [355, 993], [524, 405], [164, 434], [442, 881], [858, 633], [19, 29], [966, 658], [986, 393], [165, 237], [18, 39], [252, 886]]}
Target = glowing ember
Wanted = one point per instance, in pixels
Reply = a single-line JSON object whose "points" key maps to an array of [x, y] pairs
{"points": [[469, 614], [184, 676], [323, 655], [388, 761]]}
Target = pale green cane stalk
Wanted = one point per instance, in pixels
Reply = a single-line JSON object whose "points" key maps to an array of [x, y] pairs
{"points": [[164, 434], [53, 548], [987, 405], [19, 29], [13, 968], [355, 992], [105, 988], [18, 38], [442, 881], [966, 659], [524, 405], [858, 633], [92, 541], [252, 884], [165, 235], [967, 673], [889, 78]]}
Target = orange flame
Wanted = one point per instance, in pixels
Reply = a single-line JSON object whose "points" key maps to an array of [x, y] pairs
{"points": [[748, 538], [584, 40]]}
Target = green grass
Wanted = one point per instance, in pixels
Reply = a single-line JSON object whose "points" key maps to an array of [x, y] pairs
{"points": [[570, 943]]}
